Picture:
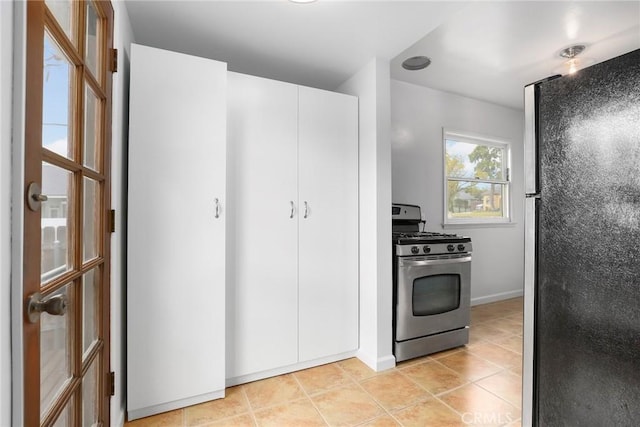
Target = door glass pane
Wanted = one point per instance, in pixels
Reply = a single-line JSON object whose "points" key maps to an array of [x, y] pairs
{"points": [[91, 219], [56, 222], [91, 122], [92, 40], [90, 294], [65, 419], [56, 100], [436, 294], [62, 10], [90, 399], [55, 351]]}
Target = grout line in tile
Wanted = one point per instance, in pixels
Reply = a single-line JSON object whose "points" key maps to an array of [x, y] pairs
{"points": [[501, 346], [493, 341], [246, 398], [467, 381], [449, 406], [499, 397], [359, 383], [396, 419], [490, 362], [210, 423], [430, 395], [311, 400]]}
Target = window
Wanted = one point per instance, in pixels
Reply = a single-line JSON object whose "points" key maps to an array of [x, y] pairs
{"points": [[476, 179]]}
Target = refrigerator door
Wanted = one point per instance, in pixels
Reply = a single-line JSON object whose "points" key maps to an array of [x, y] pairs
{"points": [[530, 146], [531, 217], [587, 278]]}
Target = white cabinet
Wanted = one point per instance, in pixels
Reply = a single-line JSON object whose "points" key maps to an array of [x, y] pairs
{"points": [[328, 233], [263, 297], [293, 194], [176, 231]]}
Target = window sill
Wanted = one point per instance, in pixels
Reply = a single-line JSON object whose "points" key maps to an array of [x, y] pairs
{"points": [[478, 224]]}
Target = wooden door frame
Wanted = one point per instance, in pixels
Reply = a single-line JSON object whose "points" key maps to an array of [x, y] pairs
{"points": [[29, 33]]}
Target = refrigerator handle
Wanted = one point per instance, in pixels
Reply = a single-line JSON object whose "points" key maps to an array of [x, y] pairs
{"points": [[530, 140], [528, 337]]}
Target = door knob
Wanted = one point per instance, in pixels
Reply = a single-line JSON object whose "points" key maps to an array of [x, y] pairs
{"points": [[55, 306], [35, 196]]}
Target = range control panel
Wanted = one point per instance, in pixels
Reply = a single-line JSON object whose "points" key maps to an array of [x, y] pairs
{"points": [[433, 248]]}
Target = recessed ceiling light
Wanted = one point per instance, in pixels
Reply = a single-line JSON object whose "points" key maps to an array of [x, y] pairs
{"points": [[572, 51], [416, 63], [573, 64], [302, 1]]}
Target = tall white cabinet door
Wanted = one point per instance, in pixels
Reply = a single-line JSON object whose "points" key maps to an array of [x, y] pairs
{"points": [[176, 231], [328, 241], [263, 297]]}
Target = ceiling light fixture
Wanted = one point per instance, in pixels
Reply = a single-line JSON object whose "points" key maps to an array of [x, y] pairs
{"points": [[416, 63], [573, 64], [302, 1], [572, 51]]}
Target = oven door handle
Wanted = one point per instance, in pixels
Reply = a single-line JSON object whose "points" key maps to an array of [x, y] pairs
{"points": [[416, 263]]}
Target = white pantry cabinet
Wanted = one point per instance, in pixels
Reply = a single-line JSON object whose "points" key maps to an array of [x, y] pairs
{"points": [[263, 191], [328, 224], [294, 225], [176, 231]]}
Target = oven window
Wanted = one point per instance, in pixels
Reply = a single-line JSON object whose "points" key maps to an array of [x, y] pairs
{"points": [[436, 294]]}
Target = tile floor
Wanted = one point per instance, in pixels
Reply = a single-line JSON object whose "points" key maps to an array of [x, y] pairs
{"points": [[475, 385]]}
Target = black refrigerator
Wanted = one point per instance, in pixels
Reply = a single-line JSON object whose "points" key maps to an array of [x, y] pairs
{"points": [[582, 266]]}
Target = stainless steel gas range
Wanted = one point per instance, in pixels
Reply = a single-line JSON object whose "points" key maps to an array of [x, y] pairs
{"points": [[432, 287]]}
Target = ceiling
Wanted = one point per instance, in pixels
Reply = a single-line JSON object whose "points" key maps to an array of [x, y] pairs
{"points": [[491, 50], [482, 49]]}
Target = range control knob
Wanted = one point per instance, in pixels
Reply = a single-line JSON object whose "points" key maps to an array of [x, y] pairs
{"points": [[451, 248], [426, 249], [415, 250], [461, 247]]}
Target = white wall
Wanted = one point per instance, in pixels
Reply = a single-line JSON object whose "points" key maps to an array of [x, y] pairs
{"points": [[123, 37], [371, 85], [6, 73], [418, 115]]}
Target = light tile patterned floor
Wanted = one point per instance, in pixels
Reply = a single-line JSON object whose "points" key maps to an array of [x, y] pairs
{"points": [[475, 385]]}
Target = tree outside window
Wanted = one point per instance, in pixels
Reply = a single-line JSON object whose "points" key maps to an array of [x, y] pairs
{"points": [[476, 177]]}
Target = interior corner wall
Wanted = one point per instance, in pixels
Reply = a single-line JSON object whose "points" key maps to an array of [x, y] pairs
{"points": [[418, 115], [372, 87], [123, 37], [383, 210], [6, 94]]}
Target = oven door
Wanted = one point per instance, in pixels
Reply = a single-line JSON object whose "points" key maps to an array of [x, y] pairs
{"points": [[433, 295]]}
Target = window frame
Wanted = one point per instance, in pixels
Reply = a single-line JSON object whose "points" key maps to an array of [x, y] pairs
{"points": [[477, 139]]}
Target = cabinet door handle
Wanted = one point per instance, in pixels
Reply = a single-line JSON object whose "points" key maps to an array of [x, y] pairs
{"points": [[217, 202], [292, 209], [306, 209]]}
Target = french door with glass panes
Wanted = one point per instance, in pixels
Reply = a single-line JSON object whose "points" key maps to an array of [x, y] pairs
{"points": [[66, 221]]}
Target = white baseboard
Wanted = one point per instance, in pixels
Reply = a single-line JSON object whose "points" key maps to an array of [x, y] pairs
{"points": [[377, 364], [169, 406], [496, 297], [242, 379]]}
